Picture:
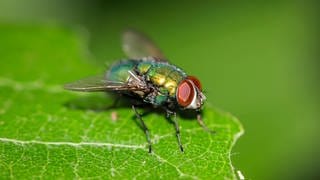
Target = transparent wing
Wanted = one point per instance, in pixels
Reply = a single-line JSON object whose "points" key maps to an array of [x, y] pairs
{"points": [[98, 83], [136, 45]]}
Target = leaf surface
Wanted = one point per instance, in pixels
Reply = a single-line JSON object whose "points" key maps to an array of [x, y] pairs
{"points": [[47, 132]]}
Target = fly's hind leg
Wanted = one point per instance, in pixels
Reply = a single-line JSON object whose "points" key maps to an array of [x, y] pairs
{"points": [[145, 129], [114, 103], [176, 125]]}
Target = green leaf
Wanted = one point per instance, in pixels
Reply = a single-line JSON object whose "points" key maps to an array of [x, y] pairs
{"points": [[47, 132]]}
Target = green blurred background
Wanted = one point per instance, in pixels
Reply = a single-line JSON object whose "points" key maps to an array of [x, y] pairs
{"points": [[257, 60]]}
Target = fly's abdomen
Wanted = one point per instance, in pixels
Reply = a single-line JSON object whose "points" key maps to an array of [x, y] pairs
{"points": [[120, 72]]}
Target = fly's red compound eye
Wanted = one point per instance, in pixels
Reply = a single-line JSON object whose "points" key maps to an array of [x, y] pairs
{"points": [[185, 93], [195, 82]]}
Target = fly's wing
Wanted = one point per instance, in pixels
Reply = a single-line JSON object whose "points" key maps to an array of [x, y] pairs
{"points": [[136, 45], [99, 83]]}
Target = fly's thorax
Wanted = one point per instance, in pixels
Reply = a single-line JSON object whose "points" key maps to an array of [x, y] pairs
{"points": [[162, 75]]}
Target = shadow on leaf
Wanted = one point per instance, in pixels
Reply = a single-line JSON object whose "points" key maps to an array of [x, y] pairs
{"points": [[108, 102]]}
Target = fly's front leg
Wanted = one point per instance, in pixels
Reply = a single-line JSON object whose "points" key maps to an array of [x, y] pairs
{"points": [[175, 121], [202, 124], [145, 129]]}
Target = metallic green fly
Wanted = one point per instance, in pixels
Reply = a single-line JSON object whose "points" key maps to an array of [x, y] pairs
{"points": [[148, 78]]}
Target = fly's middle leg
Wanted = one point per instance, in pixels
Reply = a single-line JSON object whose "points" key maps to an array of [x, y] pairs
{"points": [[176, 125]]}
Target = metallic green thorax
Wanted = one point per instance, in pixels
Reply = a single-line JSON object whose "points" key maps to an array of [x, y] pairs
{"points": [[165, 77]]}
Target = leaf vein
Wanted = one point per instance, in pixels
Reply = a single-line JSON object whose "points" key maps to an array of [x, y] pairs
{"points": [[23, 142]]}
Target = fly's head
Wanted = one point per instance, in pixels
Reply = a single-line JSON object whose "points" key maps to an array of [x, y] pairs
{"points": [[189, 94]]}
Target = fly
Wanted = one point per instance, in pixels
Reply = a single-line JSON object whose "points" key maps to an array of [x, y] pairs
{"points": [[148, 78]]}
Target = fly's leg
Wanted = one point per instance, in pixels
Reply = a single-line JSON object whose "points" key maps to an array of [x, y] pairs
{"points": [[115, 103], [176, 124], [200, 121], [145, 129]]}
